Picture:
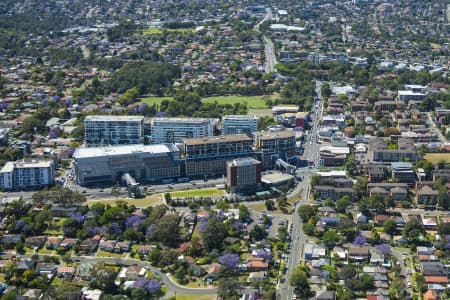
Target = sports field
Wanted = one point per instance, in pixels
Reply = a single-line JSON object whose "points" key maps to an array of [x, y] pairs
{"points": [[253, 102]]}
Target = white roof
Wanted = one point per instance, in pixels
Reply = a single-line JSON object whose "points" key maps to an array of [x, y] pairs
{"points": [[335, 150], [27, 163], [332, 174], [409, 93], [120, 150], [105, 118]]}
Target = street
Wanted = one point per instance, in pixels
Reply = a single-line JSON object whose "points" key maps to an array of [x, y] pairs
{"points": [[298, 237]]}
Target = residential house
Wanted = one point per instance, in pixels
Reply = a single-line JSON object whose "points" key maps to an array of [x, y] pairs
{"points": [[53, 242], [358, 253], [32, 294], [145, 249], [430, 295], [257, 276], [376, 257], [63, 211], [65, 271], [107, 245], [84, 271], [90, 245], [47, 270], [426, 196], [122, 247], [255, 264], [442, 280], [25, 264], [135, 272], [399, 194], [10, 240], [67, 243], [380, 219], [35, 242], [433, 269], [430, 223]]}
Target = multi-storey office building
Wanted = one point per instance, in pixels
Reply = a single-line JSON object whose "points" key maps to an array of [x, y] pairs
{"points": [[379, 151], [208, 156], [26, 174], [174, 130], [243, 174], [113, 130], [143, 162], [236, 124]]}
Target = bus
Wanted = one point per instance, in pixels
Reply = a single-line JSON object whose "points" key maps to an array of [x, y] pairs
{"points": [[184, 179]]}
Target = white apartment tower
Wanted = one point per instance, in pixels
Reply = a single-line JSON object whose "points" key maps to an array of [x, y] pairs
{"points": [[27, 173], [113, 130], [237, 124], [174, 130]]}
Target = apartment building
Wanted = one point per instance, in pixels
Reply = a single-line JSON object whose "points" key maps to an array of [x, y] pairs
{"points": [[27, 174], [208, 155], [236, 124], [174, 130], [404, 172], [113, 130], [273, 145], [378, 151]]}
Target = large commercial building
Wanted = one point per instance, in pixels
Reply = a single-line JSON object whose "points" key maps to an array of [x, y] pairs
{"points": [[274, 145], [174, 130], [235, 124], [208, 155], [113, 130], [142, 162], [26, 174], [244, 174]]}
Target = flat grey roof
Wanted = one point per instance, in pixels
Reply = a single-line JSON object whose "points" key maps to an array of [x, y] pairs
{"points": [[122, 150], [107, 118]]}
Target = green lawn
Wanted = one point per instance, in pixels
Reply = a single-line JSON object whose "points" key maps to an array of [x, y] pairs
{"points": [[198, 193], [102, 253], [196, 297], [253, 102], [140, 202], [153, 31], [437, 157], [45, 251]]}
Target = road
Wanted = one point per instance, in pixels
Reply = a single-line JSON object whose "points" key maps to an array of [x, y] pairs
{"points": [[298, 237], [173, 288], [436, 130], [269, 49]]}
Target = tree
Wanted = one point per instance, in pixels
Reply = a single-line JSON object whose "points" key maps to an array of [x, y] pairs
{"points": [[214, 233], [307, 211], [257, 233], [244, 214], [228, 288], [269, 204], [166, 230], [282, 203], [443, 199], [343, 203], [230, 261], [103, 278], [299, 280], [390, 226], [413, 230], [330, 238], [363, 283], [68, 291]]}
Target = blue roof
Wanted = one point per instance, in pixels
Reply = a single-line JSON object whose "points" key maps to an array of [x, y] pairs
{"points": [[401, 165]]}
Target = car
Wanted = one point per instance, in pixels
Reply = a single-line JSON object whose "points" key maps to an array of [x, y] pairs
{"points": [[408, 284], [84, 192]]}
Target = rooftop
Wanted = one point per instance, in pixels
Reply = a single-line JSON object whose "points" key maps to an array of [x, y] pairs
{"points": [[181, 120], [268, 135], [26, 163], [217, 139], [242, 162], [122, 150], [104, 118], [239, 117]]}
